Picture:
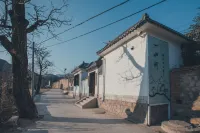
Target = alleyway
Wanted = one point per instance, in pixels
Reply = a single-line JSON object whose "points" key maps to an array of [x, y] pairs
{"points": [[62, 116]]}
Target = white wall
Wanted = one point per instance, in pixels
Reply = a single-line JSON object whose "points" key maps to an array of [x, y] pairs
{"points": [[85, 87], [127, 70], [76, 90], [175, 58], [100, 85]]}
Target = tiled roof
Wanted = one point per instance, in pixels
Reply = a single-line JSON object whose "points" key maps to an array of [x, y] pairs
{"points": [[82, 66], [95, 64], [144, 20]]}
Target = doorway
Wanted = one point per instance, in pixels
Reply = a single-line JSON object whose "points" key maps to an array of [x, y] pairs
{"points": [[92, 83]]}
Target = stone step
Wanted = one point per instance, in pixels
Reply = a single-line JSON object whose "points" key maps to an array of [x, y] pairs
{"points": [[88, 102], [83, 102], [80, 106]]}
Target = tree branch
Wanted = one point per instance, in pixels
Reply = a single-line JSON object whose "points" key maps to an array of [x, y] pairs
{"points": [[50, 21], [7, 45], [34, 26], [6, 26]]}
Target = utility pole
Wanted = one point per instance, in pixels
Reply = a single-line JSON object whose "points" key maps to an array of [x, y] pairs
{"points": [[33, 74]]}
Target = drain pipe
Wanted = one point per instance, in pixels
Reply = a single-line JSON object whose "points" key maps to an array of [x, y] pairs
{"points": [[97, 79], [104, 76]]}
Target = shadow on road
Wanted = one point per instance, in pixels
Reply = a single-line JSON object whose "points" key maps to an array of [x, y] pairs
{"points": [[54, 122], [85, 120]]}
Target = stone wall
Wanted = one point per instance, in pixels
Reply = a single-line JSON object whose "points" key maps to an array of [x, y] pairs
{"points": [[185, 94], [133, 111]]}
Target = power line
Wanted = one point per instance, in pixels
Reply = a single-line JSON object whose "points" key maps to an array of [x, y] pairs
{"points": [[59, 69], [87, 20], [109, 24]]}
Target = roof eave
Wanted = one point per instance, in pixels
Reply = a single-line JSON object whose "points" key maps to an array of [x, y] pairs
{"points": [[136, 26]]}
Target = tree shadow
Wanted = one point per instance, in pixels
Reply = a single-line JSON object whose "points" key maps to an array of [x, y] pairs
{"points": [[85, 120], [70, 124], [38, 131], [139, 113]]}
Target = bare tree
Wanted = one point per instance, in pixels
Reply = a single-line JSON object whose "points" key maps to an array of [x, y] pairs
{"points": [[43, 64], [14, 28]]}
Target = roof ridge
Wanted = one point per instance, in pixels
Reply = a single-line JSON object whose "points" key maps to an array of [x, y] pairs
{"points": [[145, 18]]}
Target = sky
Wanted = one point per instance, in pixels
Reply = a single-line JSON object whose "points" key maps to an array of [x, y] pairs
{"points": [[176, 14]]}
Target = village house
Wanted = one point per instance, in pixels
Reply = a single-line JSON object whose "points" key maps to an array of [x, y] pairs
{"points": [[79, 74], [89, 89], [94, 71], [135, 82]]}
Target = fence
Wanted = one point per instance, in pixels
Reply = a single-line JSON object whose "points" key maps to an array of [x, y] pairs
{"points": [[7, 107]]}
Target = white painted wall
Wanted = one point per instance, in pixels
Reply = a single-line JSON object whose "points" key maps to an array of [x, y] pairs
{"points": [[76, 90], [85, 87], [175, 58], [100, 85], [79, 89], [120, 66]]}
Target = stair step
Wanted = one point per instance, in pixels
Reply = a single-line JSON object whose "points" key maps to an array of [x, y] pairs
{"points": [[81, 103], [80, 106], [81, 100], [84, 102]]}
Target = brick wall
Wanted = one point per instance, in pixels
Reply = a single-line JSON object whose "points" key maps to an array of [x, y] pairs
{"points": [[185, 94]]}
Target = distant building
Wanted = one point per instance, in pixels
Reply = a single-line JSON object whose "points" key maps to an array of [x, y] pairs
{"points": [[94, 75], [65, 83], [79, 73]]}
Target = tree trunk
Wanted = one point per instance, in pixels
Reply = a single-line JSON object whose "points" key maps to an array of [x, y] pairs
{"points": [[25, 104], [39, 83]]}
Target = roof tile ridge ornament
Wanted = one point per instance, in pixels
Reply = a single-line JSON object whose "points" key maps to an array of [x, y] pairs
{"points": [[145, 17]]}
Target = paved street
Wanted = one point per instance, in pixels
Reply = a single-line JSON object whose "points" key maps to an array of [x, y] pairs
{"points": [[62, 116]]}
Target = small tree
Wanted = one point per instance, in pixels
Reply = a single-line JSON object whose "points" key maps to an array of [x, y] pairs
{"points": [[43, 64]]}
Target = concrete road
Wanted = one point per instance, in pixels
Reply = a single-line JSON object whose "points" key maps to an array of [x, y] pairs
{"points": [[62, 116]]}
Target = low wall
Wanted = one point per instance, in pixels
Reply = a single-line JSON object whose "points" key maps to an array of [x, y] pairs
{"points": [[185, 94], [124, 107]]}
